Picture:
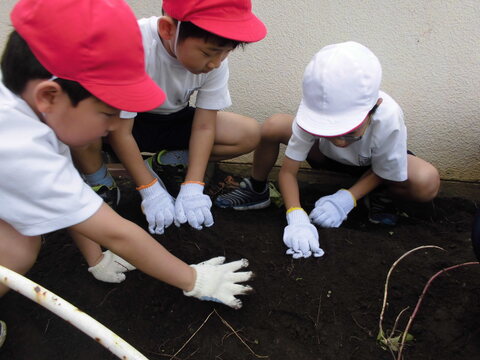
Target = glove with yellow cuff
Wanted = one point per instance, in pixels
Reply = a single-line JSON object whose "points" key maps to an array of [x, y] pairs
{"points": [[300, 236], [330, 211]]}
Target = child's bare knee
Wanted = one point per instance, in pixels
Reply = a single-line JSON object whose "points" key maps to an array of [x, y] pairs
{"points": [[19, 252], [31, 252], [427, 184], [20, 257], [276, 127], [252, 135], [432, 183]]}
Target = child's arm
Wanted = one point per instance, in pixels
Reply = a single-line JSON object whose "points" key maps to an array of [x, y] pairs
{"points": [[191, 204], [287, 180], [126, 148], [300, 236], [201, 143], [157, 204], [207, 281], [104, 266], [366, 184], [129, 241]]}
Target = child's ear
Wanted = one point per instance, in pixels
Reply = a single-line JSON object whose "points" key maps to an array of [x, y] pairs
{"points": [[166, 27], [45, 94]]}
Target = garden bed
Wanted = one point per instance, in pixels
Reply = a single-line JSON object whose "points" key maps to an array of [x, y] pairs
{"points": [[317, 308]]}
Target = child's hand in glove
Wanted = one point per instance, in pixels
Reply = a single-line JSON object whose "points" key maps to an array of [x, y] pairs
{"points": [[330, 211], [111, 268], [300, 236], [217, 281], [158, 207], [194, 206]]}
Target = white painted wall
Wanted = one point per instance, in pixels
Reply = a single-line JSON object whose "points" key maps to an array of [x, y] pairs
{"points": [[430, 52]]}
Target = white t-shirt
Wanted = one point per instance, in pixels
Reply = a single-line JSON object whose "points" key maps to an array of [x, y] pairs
{"points": [[40, 189], [178, 83], [383, 146]]}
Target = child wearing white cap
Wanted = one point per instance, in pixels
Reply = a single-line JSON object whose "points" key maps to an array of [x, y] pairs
{"points": [[343, 120]]}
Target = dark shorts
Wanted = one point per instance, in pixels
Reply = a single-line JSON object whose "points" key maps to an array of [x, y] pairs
{"points": [[154, 132], [332, 165]]}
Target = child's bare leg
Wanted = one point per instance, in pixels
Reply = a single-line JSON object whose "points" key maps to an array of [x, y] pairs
{"points": [[235, 135], [89, 162], [106, 266], [17, 252], [253, 192], [276, 130], [88, 159], [423, 181], [91, 251]]}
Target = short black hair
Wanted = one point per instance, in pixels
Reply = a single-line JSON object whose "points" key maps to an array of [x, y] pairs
{"points": [[188, 29], [19, 66]]}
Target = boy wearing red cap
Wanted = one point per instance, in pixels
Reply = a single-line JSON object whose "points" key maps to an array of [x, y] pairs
{"points": [[186, 53], [345, 123], [63, 80]]}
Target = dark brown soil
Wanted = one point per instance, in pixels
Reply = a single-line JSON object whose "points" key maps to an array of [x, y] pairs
{"points": [[326, 308]]}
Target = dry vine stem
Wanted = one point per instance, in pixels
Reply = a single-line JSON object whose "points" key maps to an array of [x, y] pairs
{"points": [[419, 302], [391, 342], [226, 324]]}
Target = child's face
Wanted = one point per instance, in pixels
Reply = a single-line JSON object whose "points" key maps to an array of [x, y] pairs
{"points": [[199, 56], [356, 134], [80, 125], [352, 136]]}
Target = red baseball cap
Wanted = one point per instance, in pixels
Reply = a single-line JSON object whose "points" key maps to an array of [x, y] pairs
{"points": [[94, 42], [231, 19]]}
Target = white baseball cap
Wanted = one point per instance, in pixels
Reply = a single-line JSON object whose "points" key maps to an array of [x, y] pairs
{"points": [[340, 86]]}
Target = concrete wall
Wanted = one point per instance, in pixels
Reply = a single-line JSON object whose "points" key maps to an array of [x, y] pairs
{"points": [[429, 50]]}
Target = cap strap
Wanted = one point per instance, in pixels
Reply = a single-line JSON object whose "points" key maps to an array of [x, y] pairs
{"points": [[177, 32]]}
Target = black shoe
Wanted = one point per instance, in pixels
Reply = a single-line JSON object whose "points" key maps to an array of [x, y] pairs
{"points": [[244, 198], [111, 195], [171, 176], [3, 332], [381, 209]]}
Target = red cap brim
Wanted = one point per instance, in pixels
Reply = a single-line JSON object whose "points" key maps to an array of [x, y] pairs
{"points": [[139, 97], [249, 29]]}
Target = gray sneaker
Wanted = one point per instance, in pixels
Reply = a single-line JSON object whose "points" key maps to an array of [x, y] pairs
{"points": [[171, 176], [111, 195], [244, 198]]}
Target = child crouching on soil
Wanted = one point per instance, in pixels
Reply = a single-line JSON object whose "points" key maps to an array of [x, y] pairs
{"points": [[64, 79], [346, 123], [186, 52]]}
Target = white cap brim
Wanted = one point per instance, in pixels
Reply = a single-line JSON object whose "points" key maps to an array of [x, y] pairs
{"points": [[330, 126]]}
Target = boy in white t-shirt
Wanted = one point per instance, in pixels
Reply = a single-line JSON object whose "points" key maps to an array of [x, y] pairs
{"points": [[64, 79], [344, 121], [186, 52]]}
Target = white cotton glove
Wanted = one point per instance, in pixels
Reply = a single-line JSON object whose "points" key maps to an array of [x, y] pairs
{"points": [[111, 268], [158, 207], [300, 236], [193, 205], [217, 281], [330, 211]]}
